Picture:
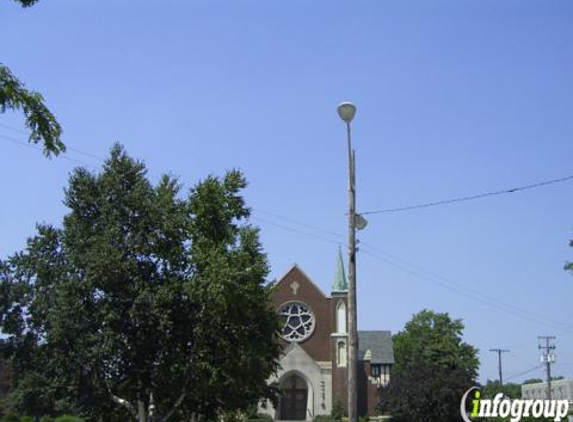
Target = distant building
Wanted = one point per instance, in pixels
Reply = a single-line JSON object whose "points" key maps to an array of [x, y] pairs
{"points": [[313, 373], [560, 390]]}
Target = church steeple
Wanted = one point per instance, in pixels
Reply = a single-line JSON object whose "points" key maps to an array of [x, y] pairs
{"points": [[340, 284]]}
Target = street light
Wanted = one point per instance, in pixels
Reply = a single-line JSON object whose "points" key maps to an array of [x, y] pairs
{"points": [[346, 111]]}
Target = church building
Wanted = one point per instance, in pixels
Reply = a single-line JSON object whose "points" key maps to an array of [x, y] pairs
{"points": [[313, 375]]}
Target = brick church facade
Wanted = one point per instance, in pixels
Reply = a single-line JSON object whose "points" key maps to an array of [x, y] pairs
{"points": [[313, 373]]}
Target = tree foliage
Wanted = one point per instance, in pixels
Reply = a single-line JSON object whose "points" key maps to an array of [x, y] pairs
{"points": [[435, 339], [509, 389], [26, 3], [532, 381], [434, 368], [425, 393], [39, 119], [142, 303]]}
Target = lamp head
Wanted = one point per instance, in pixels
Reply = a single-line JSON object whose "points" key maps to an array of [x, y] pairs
{"points": [[346, 111], [361, 222]]}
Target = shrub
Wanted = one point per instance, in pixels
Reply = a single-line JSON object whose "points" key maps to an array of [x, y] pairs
{"points": [[47, 419], [68, 418], [26, 419], [260, 417], [338, 411], [322, 418], [10, 418]]}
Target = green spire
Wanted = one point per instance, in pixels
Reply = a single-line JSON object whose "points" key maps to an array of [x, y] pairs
{"points": [[339, 284]]}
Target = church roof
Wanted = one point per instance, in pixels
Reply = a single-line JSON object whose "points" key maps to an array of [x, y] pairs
{"points": [[379, 344], [340, 284], [296, 269]]}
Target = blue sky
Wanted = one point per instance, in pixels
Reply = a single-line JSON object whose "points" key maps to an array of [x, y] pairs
{"points": [[454, 98]]}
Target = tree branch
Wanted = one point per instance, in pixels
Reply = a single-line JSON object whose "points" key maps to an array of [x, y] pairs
{"points": [[175, 406], [124, 403], [39, 119]]}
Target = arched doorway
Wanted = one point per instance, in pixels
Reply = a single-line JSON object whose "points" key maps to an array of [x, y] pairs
{"points": [[294, 398]]}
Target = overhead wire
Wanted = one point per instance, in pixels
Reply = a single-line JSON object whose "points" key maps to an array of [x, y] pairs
{"points": [[460, 286], [470, 294], [502, 306], [470, 197], [300, 223], [528, 371], [35, 147], [388, 210], [69, 148], [417, 270], [324, 239], [390, 258]]}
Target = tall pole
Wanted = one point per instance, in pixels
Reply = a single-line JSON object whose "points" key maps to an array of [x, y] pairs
{"points": [[499, 353], [548, 358], [353, 329], [346, 111]]}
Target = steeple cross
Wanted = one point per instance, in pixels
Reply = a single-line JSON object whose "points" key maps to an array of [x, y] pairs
{"points": [[294, 287]]}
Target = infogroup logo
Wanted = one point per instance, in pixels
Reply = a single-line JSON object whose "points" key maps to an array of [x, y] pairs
{"points": [[516, 409]]}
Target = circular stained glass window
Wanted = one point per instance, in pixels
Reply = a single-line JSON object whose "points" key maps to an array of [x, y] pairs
{"points": [[298, 321]]}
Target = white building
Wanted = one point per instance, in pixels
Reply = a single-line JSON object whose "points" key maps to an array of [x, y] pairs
{"points": [[560, 390]]}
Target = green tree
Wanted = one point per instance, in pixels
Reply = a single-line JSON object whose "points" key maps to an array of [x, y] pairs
{"points": [[26, 3], [509, 389], [143, 303], [67, 418], [10, 418], [532, 381], [435, 339], [434, 368], [425, 393], [39, 119]]}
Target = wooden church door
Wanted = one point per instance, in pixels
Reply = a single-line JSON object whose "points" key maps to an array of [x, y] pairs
{"points": [[294, 400]]}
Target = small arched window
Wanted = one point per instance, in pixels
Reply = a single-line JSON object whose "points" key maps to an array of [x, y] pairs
{"points": [[341, 352], [341, 317]]}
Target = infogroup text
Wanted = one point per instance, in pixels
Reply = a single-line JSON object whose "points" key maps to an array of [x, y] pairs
{"points": [[515, 409]]}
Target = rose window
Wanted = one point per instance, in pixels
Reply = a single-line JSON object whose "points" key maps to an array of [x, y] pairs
{"points": [[298, 321]]}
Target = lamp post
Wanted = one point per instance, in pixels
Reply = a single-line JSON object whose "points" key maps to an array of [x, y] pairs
{"points": [[346, 111]]}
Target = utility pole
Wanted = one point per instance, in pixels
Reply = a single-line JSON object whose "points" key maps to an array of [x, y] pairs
{"points": [[548, 358], [346, 112], [352, 311], [499, 353]]}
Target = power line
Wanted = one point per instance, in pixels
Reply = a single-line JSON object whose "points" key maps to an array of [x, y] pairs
{"points": [[449, 284], [435, 279], [324, 239], [78, 151], [68, 148], [457, 287], [464, 292], [466, 289], [300, 223], [15, 129], [32, 146], [380, 211], [470, 198], [62, 156], [524, 372], [423, 274]]}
